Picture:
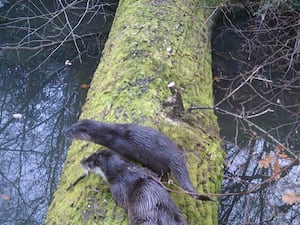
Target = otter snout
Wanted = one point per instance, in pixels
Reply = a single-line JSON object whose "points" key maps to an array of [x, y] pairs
{"points": [[68, 133], [77, 131]]}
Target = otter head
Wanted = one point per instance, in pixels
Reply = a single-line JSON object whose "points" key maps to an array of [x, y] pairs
{"points": [[97, 163], [82, 130]]}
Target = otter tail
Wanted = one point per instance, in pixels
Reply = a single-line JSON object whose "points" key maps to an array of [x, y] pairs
{"points": [[180, 173]]}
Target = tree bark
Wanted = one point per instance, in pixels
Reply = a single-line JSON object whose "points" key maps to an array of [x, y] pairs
{"points": [[151, 44]]}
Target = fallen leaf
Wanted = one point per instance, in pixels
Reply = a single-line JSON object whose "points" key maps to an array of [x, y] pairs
{"points": [[278, 149], [284, 156], [265, 162], [290, 198], [216, 79], [276, 169], [5, 197], [85, 86]]}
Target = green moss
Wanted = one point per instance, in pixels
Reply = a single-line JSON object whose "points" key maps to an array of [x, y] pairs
{"points": [[151, 44]]}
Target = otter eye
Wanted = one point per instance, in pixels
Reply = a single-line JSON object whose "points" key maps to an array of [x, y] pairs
{"points": [[83, 130], [91, 165]]}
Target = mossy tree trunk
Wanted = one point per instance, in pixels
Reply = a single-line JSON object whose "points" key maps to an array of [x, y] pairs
{"points": [[151, 44]]}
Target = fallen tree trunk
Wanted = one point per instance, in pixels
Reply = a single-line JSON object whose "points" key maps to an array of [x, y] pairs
{"points": [[151, 44]]}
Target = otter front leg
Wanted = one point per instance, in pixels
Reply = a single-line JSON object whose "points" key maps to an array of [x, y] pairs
{"points": [[119, 193]]}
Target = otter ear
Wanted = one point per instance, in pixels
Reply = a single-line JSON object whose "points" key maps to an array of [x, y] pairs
{"points": [[105, 155], [92, 164]]}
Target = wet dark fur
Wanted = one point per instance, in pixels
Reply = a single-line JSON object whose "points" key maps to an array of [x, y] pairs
{"points": [[143, 144], [136, 189]]}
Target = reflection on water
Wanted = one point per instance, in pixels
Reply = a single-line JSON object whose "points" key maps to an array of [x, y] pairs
{"points": [[262, 177], [260, 194], [2, 2], [34, 111], [37, 101]]}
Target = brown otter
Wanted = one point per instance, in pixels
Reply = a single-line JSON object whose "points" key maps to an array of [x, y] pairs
{"points": [[143, 144], [134, 188]]}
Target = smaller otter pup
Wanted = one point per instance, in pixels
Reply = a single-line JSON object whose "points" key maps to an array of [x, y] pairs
{"points": [[134, 188], [140, 143]]}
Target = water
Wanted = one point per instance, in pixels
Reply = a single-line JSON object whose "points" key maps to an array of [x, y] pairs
{"points": [[263, 114], [34, 111], [38, 99]]}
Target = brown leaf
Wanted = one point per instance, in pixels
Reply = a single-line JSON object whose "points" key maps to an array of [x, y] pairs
{"points": [[5, 197], [265, 162], [284, 156], [278, 149], [216, 79], [290, 198], [277, 169], [84, 86]]}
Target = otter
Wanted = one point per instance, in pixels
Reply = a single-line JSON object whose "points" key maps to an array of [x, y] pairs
{"points": [[135, 189], [140, 143]]}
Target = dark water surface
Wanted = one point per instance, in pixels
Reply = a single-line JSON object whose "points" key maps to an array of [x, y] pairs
{"points": [[252, 194], [38, 99], [34, 111]]}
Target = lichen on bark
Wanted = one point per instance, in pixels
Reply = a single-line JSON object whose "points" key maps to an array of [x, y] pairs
{"points": [[151, 43]]}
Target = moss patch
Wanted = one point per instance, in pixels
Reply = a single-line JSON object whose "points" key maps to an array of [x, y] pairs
{"points": [[151, 44]]}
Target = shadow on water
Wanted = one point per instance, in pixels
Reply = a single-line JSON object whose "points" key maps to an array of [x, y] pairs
{"points": [[261, 180], [37, 103]]}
